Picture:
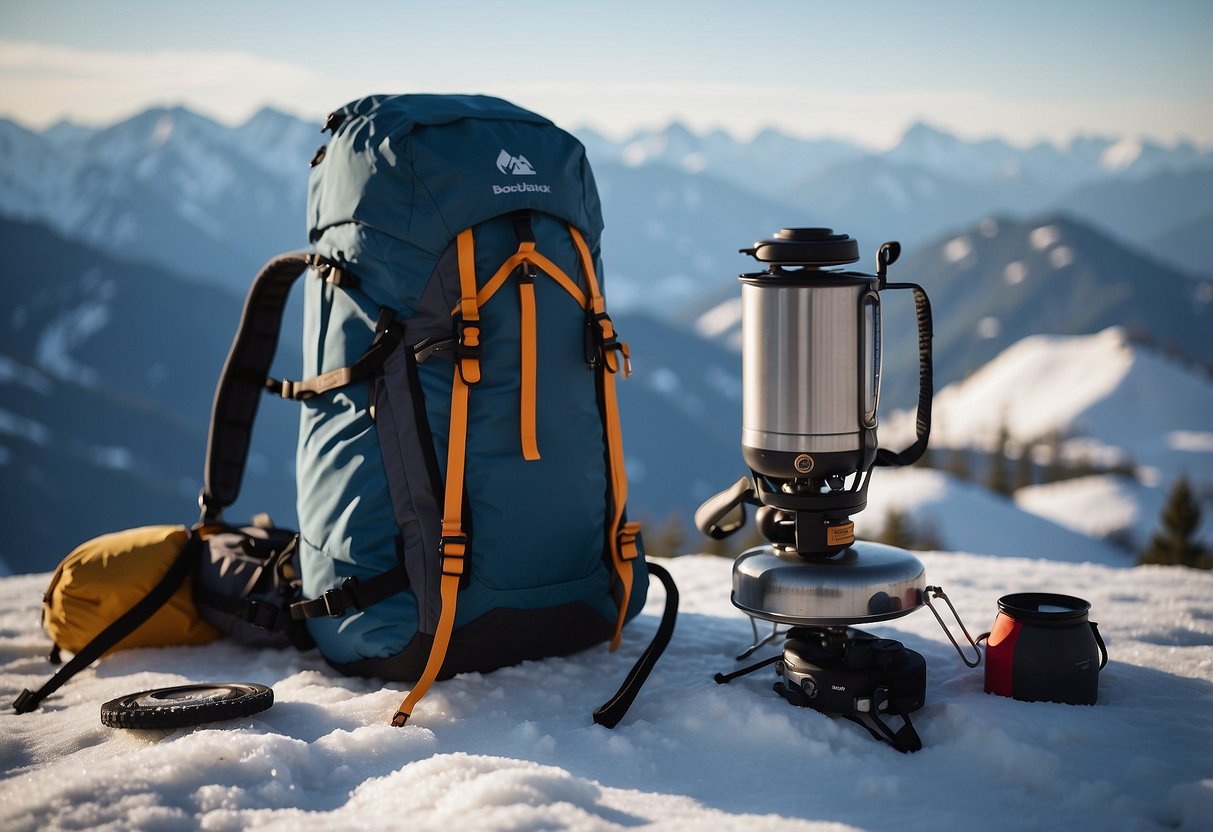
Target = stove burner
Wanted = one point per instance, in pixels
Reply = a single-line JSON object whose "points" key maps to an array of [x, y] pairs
{"points": [[842, 671]]}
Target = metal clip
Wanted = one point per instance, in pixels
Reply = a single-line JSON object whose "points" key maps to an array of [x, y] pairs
{"points": [[938, 591], [333, 607]]}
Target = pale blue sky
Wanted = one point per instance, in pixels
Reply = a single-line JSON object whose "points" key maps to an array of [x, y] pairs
{"points": [[1022, 70]]}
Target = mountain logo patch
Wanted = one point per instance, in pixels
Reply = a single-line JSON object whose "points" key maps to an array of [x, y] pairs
{"points": [[514, 165]]}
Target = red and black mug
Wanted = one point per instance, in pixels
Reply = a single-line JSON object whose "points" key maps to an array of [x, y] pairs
{"points": [[1042, 648]]}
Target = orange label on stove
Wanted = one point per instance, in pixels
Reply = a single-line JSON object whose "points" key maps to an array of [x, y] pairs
{"points": [[841, 535]]}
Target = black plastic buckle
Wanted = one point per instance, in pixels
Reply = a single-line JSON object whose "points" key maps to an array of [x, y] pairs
{"points": [[337, 601], [332, 122], [464, 351], [598, 344], [263, 615], [334, 606], [285, 388], [526, 273], [461, 540], [593, 335]]}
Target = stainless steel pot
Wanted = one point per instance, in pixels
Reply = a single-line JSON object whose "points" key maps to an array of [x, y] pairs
{"points": [[810, 360]]}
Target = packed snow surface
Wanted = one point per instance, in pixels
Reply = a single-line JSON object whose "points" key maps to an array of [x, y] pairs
{"points": [[516, 749]]}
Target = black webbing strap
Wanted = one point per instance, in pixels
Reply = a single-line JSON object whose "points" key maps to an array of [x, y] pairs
{"points": [[613, 710], [388, 331], [126, 624], [926, 383], [245, 375], [260, 614], [242, 382], [353, 594], [522, 226]]}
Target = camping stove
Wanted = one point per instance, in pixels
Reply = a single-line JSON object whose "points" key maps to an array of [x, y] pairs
{"points": [[826, 664], [811, 372]]}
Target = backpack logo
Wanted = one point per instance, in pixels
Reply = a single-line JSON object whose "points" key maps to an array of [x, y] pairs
{"points": [[514, 165]]}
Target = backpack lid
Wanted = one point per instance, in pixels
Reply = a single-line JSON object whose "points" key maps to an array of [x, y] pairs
{"points": [[424, 167]]}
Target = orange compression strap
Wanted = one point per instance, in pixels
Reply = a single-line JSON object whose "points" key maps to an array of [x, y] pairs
{"points": [[619, 492], [556, 273], [468, 310], [523, 263], [453, 546], [526, 296], [621, 537]]}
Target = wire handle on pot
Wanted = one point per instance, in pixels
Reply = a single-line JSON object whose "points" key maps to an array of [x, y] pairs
{"points": [[926, 374], [939, 593], [1103, 648]]}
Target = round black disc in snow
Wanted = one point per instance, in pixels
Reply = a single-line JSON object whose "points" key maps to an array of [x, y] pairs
{"points": [[186, 705]]}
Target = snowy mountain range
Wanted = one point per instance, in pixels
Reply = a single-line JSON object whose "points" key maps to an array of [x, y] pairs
{"points": [[931, 182], [205, 199], [1101, 400], [115, 232], [168, 187], [107, 370]]}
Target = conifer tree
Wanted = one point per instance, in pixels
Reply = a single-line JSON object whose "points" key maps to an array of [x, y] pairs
{"points": [[958, 464], [996, 478], [1175, 543], [896, 531], [668, 539], [1023, 468], [1055, 470], [927, 460]]}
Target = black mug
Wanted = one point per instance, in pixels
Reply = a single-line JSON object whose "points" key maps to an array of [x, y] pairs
{"points": [[1042, 648]]}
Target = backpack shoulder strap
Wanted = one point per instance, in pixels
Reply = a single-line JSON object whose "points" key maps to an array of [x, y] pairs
{"points": [[245, 374], [243, 380]]}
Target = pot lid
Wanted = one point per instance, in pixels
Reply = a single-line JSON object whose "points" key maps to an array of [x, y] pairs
{"points": [[812, 247]]}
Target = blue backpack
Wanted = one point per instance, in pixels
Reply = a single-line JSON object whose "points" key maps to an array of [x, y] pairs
{"points": [[462, 496]]}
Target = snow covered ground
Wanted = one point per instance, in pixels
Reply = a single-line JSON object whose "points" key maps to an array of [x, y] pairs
{"points": [[516, 749]]}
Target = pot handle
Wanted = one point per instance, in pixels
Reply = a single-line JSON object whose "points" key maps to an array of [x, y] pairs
{"points": [[939, 593], [1103, 648], [922, 423], [709, 517]]}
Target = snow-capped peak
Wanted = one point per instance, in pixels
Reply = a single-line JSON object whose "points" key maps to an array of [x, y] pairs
{"points": [[1121, 400], [1121, 155]]}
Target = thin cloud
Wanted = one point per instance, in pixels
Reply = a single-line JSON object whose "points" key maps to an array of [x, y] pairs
{"points": [[41, 83]]}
